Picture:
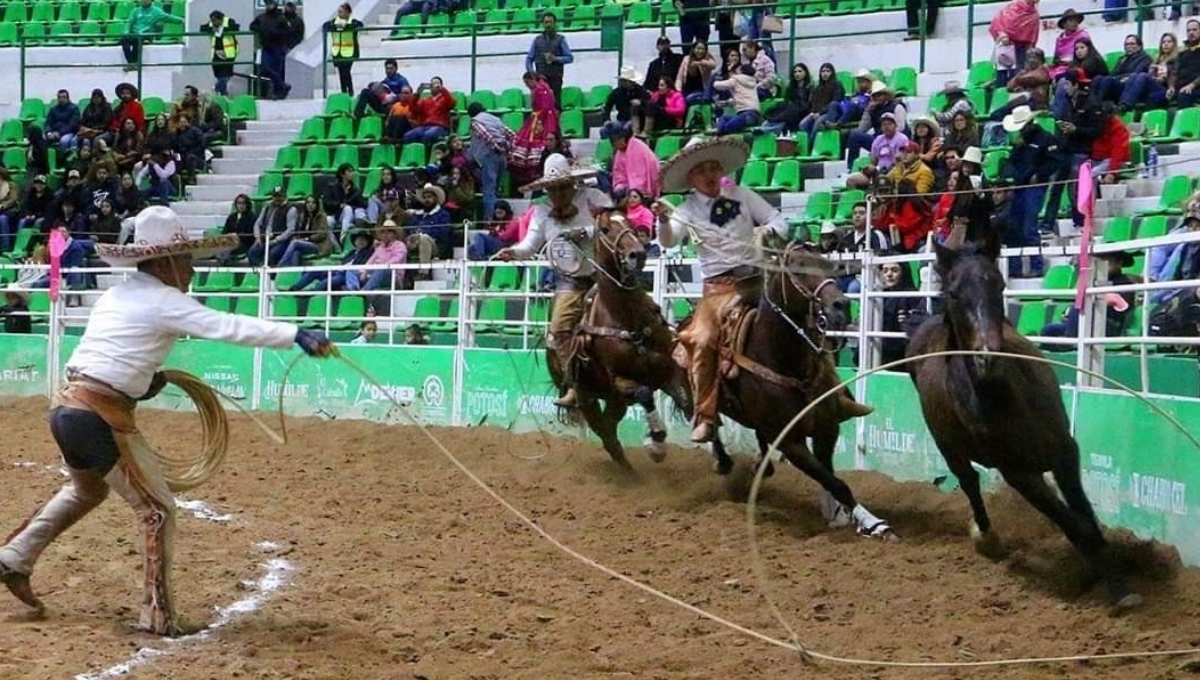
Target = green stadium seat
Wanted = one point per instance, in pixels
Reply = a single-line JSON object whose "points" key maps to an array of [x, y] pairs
{"points": [[246, 306], [14, 159], [904, 81], [513, 120], [828, 145], [1032, 318], [215, 282], [317, 159], [340, 130], [667, 146], [495, 21], [1175, 191], [33, 31], [1118, 229], [445, 326], [486, 98], [21, 243], [89, 33], [33, 110], [1152, 227], [787, 176], [409, 26], [99, 10], [505, 278], [981, 73], [1059, 277], [248, 284], [345, 153], [70, 12], [819, 207], [584, 18], [755, 175], [845, 204], [12, 131], [463, 23], [61, 33], [596, 97], [604, 153], [1156, 123], [9, 35], [154, 106], [16, 13], [266, 184], [353, 308], [512, 99], [1185, 126], [381, 155], [640, 14], [299, 186], [243, 107], [572, 124], [572, 97], [437, 25], [338, 104], [42, 11], [993, 163], [370, 129], [494, 311], [374, 179], [764, 147], [311, 130], [285, 308], [122, 10], [220, 304], [287, 158], [412, 156]]}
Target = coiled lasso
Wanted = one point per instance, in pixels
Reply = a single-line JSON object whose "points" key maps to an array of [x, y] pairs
{"points": [[184, 472]]}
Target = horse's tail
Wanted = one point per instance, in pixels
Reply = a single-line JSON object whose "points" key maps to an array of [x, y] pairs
{"points": [[680, 391]]}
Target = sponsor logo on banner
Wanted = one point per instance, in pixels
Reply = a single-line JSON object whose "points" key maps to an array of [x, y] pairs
{"points": [[294, 390], [1158, 493], [536, 405], [891, 441], [433, 392], [336, 388], [21, 374], [226, 379], [491, 403], [1102, 482], [368, 393]]}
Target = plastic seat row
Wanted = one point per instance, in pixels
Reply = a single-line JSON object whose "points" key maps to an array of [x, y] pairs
{"points": [[19, 12]]}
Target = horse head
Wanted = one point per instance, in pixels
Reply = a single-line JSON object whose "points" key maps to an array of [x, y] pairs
{"points": [[805, 292], [619, 251], [973, 289]]}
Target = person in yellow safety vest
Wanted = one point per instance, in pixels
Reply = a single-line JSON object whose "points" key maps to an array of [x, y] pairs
{"points": [[224, 48], [343, 35]]}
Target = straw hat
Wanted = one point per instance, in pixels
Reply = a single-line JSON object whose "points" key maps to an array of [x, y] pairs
{"points": [[439, 194], [730, 151], [557, 171], [388, 225], [157, 232], [973, 155], [630, 73], [880, 87], [952, 87], [934, 129], [1018, 119]]}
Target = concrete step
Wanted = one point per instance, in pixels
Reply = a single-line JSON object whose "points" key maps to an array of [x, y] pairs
{"points": [[274, 138], [237, 152], [214, 179], [290, 109], [218, 192], [241, 166], [1124, 206], [271, 125], [196, 224], [201, 207], [1140, 188]]}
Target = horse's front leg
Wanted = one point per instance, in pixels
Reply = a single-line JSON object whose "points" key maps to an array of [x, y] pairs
{"points": [[837, 499], [656, 428], [604, 423]]}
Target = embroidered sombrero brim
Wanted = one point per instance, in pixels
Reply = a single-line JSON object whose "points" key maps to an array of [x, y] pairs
{"points": [[731, 152], [130, 255], [545, 182]]}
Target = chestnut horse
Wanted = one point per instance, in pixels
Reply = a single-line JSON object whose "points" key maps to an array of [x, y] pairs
{"points": [[783, 366], [1002, 413], [622, 345]]}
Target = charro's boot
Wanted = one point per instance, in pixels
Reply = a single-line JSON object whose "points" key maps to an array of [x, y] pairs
{"points": [[18, 584], [562, 347], [703, 373]]}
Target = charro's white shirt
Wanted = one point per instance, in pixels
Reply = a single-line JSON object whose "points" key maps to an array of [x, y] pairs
{"points": [[543, 228], [134, 325], [722, 248]]}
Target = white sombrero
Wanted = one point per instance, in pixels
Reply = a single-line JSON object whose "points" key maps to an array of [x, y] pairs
{"points": [[157, 232], [557, 170], [731, 152], [630, 73], [1018, 119]]}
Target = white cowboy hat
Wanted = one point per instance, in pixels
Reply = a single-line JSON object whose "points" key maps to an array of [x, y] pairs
{"points": [[157, 232], [880, 87], [388, 225], [828, 227], [731, 151], [1018, 119], [630, 73], [973, 155], [438, 193], [557, 170], [864, 73]]}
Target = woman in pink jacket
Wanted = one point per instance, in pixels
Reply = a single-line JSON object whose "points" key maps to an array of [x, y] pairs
{"points": [[667, 108], [1019, 23], [634, 164]]}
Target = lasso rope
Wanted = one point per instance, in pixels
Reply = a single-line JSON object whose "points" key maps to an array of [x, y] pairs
{"points": [[183, 473]]}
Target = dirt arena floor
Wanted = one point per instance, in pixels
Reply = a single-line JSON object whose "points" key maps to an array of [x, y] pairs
{"points": [[403, 569]]}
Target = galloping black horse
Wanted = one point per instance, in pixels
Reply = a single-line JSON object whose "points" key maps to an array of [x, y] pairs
{"points": [[1002, 413]]}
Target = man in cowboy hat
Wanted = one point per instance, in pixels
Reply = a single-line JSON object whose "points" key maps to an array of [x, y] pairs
{"points": [[627, 98], [723, 222], [956, 102], [15, 311], [883, 103], [432, 218], [130, 332], [1036, 157], [567, 215]]}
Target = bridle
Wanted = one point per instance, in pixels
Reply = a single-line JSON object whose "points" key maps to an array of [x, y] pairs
{"points": [[816, 309], [611, 246]]}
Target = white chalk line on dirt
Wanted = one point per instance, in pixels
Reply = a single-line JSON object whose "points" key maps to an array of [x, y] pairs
{"points": [[793, 646]]}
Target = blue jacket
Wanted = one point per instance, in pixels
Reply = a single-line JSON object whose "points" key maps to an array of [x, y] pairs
{"points": [[396, 82], [437, 225], [63, 119]]}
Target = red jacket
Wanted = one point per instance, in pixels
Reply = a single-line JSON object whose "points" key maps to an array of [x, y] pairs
{"points": [[436, 110], [1113, 144], [130, 109]]}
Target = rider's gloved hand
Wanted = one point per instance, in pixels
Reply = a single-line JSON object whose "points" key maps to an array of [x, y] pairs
{"points": [[315, 344]]}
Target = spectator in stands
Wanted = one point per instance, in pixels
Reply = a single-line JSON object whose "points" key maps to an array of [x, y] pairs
{"points": [[434, 112], [376, 201], [213, 125], [380, 96], [746, 114], [401, 117], [695, 22], [273, 229], [731, 66], [344, 200], [797, 103], [364, 248], [98, 186], [963, 132], [1110, 150], [161, 139], [634, 164], [852, 107], [827, 96], [71, 191], [426, 7], [1029, 88], [491, 143], [899, 313], [1004, 60], [62, 122], [390, 250], [37, 152], [460, 194], [240, 222], [128, 147], [1064, 45], [875, 239], [223, 49], [107, 224], [10, 197], [632, 203], [1019, 23], [128, 106], [67, 216], [275, 35], [950, 162], [96, 118], [1089, 65], [764, 68], [956, 102], [1133, 62], [883, 102], [912, 17], [885, 150], [343, 36], [666, 108], [548, 54], [416, 335], [627, 98], [312, 235], [1036, 158], [557, 144], [189, 105], [829, 239], [432, 219], [16, 312], [694, 73], [665, 65], [1118, 305], [190, 146], [525, 154], [156, 171], [1150, 88], [129, 197], [295, 24], [909, 213], [145, 21], [36, 205], [1079, 125], [927, 135], [394, 207], [503, 230], [366, 333], [1181, 87]]}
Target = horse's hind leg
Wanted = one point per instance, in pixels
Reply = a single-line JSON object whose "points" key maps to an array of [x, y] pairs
{"points": [[604, 424], [764, 448], [722, 463], [798, 454], [656, 428], [1080, 528]]}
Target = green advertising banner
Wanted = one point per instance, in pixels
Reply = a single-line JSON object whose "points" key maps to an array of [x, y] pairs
{"points": [[229, 369], [895, 438], [23, 369], [421, 378]]}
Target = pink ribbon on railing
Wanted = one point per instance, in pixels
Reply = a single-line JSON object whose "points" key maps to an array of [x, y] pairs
{"points": [[1084, 203], [58, 246]]}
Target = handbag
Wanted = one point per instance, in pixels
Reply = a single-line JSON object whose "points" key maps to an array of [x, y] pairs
{"points": [[772, 24]]}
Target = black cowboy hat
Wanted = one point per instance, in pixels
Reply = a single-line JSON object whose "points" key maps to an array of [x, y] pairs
{"points": [[1123, 258], [123, 86], [1069, 14]]}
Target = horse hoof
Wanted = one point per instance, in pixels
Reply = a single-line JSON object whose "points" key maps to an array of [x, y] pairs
{"points": [[658, 451], [987, 543], [723, 467], [1130, 601], [881, 530]]}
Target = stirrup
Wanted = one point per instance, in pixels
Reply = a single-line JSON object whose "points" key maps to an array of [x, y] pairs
{"points": [[568, 400]]}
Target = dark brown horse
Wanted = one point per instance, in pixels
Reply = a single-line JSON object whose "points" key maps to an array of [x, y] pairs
{"points": [[622, 345], [783, 366], [1002, 413]]}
